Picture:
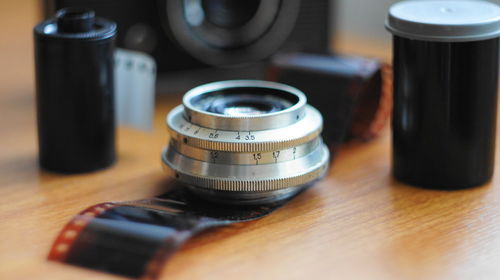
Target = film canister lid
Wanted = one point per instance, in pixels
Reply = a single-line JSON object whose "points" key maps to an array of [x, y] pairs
{"points": [[444, 21], [76, 24]]}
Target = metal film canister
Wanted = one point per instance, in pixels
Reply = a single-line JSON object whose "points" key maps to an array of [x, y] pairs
{"points": [[74, 91], [445, 91]]}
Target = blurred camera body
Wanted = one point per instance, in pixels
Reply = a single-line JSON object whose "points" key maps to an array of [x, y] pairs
{"points": [[185, 36]]}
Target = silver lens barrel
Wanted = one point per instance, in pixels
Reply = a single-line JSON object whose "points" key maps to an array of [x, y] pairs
{"points": [[245, 142]]}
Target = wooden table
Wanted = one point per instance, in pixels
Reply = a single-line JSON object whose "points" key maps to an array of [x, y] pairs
{"points": [[356, 224]]}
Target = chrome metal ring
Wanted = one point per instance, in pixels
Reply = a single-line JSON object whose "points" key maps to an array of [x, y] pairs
{"points": [[302, 131], [206, 119]]}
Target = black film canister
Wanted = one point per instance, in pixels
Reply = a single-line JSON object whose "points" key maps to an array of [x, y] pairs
{"points": [[74, 91], [445, 56]]}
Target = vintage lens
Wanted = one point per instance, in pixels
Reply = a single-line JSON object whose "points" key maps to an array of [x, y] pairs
{"points": [[245, 142]]}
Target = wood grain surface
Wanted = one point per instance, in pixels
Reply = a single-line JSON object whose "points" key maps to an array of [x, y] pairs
{"points": [[356, 224]]}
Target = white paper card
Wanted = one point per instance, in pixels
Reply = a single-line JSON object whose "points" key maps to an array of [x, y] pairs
{"points": [[135, 77]]}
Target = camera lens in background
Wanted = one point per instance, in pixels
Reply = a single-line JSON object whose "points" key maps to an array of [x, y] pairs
{"points": [[228, 32], [230, 24]]}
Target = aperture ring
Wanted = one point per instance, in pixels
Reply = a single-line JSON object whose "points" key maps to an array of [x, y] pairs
{"points": [[264, 157], [295, 134], [242, 181]]}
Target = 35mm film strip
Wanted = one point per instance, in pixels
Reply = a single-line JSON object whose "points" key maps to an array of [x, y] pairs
{"points": [[135, 238]]}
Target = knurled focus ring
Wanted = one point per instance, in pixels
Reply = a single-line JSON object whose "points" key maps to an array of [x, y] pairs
{"points": [[303, 131]]}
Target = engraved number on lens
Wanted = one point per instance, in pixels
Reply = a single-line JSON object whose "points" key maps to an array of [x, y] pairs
{"points": [[256, 157], [213, 135], [249, 137], [276, 155], [214, 155]]}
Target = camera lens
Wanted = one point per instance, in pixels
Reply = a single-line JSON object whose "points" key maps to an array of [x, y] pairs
{"points": [[237, 102], [245, 142], [230, 32], [230, 13]]}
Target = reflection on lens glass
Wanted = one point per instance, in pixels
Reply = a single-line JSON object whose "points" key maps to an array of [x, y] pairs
{"points": [[245, 105], [193, 12], [244, 101], [230, 13], [242, 111]]}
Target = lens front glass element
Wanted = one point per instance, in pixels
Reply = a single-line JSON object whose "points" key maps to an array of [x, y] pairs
{"points": [[244, 102]]}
